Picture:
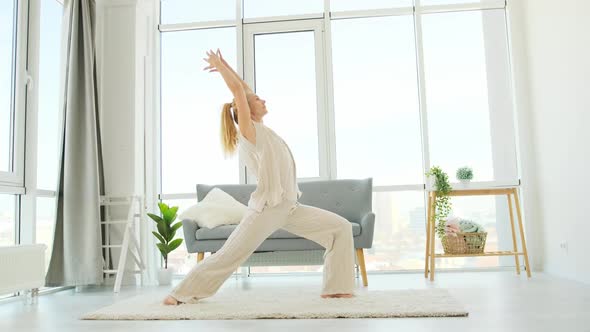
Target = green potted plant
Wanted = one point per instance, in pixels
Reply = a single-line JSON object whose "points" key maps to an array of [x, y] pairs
{"points": [[166, 232], [442, 201], [464, 174]]}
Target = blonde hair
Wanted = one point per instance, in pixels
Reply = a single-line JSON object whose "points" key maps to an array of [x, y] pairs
{"points": [[229, 132]]}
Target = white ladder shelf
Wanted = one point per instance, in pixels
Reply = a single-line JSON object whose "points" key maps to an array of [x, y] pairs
{"points": [[130, 242]]}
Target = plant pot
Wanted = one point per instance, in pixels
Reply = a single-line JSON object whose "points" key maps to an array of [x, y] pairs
{"points": [[431, 182], [164, 277], [465, 182]]}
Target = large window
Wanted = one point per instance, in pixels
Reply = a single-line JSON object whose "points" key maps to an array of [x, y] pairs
{"points": [[466, 68], [7, 59], [285, 76], [30, 62], [191, 111], [376, 103], [457, 93], [49, 112], [49, 118], [10, 123], [382, 88]]}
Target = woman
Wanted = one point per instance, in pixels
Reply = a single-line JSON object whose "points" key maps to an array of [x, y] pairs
{"points": [[272, 206]]}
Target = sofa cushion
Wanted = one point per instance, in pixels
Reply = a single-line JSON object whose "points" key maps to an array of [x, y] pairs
{"points": [[217, 208], [222, 232]]}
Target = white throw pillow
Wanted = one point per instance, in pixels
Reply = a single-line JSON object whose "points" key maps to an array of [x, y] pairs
{"points": [[217, 208]]}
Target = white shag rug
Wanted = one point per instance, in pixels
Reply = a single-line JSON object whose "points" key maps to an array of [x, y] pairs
{"points": [[287, 304]]}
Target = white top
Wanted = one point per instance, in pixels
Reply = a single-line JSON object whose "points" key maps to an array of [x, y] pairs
{"points": [[271, 161]]}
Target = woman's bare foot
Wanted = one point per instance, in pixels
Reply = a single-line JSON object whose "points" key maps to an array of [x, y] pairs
{"points": [[335, 295], [169, 300]]}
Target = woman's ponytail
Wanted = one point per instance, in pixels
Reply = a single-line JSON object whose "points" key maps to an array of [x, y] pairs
{"points": [[229, 133]]}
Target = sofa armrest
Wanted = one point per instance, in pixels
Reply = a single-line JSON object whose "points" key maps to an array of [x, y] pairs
{"points": [[365, 239], [189, 228]]}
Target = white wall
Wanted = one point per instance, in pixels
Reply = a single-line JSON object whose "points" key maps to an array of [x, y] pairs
{"points": [[551, 47], [123, 45], [120, 73], [116, 71]]}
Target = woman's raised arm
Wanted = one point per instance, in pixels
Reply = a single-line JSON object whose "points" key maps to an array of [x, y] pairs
{"points": [[234, 83], [244, 84], [235, 74], [215, 64]]}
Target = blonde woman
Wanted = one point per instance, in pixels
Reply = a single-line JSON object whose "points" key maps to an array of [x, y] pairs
{"points": [[272, 206]]}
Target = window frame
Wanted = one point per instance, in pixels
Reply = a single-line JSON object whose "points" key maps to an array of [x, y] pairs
{"points": [[13, 180], [22, 182], [316, 26], [290, 22]]}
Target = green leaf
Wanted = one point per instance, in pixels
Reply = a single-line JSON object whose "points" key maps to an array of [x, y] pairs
{"points": [[159, 237], [155, 217], [163, 208], [170, 214], [163, 229], [164, 249], [176, 226], [173, 230], [174, 244], [172, 211]]}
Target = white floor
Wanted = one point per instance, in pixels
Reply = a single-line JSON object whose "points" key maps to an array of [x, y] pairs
{"points": [[496, 301]]}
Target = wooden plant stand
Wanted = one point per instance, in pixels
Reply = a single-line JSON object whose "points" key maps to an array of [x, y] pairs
{"points": [[430, 229]]}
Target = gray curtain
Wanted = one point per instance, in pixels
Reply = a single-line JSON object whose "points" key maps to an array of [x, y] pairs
{"points": [[77, 255]]}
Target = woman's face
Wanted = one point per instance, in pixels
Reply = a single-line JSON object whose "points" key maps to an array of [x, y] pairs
{"points": [[257, 107]]}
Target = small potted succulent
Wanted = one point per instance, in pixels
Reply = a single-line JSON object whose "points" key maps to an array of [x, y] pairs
{"points": [[166, 232], [465, 175]]}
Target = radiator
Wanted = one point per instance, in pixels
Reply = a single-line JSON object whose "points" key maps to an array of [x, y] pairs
{"points": [[22, 267]]}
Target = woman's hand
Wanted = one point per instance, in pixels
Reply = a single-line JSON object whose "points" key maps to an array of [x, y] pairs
{"points": [[214, 60], [222, 59], [218, 64]]}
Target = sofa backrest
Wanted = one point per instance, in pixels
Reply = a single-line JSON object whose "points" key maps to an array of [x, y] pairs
{"points": [[241, 192], [349, 198]]}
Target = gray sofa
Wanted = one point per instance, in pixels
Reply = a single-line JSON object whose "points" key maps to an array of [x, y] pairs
{"points": [[352, 199]]}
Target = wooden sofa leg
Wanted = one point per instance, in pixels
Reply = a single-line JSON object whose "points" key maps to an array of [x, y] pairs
{"points": [[200, 256], [360, 255]]}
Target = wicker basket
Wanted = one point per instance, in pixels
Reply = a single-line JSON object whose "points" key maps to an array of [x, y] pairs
{"points": [[464, 243]]}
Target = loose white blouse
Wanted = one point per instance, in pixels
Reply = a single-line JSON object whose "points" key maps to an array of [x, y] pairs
{"points": [[271, 161]]}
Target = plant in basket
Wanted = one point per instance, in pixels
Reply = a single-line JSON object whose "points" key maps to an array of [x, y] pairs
{"points": [[463, 236]]}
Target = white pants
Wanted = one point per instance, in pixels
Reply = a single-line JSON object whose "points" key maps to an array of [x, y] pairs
{"points": [[326, 228]]}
